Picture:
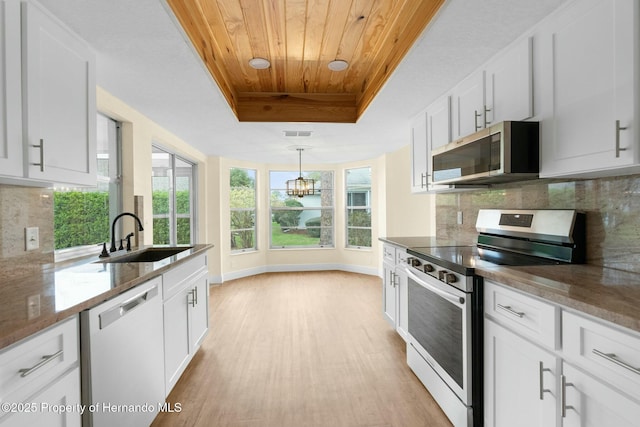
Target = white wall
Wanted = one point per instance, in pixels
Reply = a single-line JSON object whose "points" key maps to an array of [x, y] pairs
{"points": [[407, 214]]}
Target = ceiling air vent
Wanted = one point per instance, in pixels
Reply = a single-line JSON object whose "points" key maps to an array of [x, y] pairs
{"points": [[303, 133]]}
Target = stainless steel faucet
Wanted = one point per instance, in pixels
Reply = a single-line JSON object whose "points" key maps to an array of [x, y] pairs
{"points": [[113, 228]]}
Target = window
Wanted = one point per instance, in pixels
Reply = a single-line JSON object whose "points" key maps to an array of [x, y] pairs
{"points": [[358, 191], [301, 222], [173, 198], [242, 200], [82, 216]]}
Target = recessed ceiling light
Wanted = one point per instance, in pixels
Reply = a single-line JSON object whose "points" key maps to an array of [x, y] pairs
{"points": [[259, 63], [338, 65]]}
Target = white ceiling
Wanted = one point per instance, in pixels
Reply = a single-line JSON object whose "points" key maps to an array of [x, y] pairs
{"points": [[144, 59]]}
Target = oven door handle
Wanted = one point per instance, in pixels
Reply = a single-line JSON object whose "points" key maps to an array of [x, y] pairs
{"points": [[444, 294]]}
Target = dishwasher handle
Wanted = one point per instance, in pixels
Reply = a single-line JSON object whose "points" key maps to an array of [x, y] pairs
{"points": [[109, 316]]}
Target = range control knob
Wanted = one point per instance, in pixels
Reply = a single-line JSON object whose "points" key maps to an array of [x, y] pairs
{"points": [[450, 278], [427, 268], [441, 274], [414, 262]]}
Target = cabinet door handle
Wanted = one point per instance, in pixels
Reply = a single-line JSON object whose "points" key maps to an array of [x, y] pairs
{"points": [[194, 298], [486, 122], [563, 395], [618, 129], [45, 359], [509, 310], [611, 357], [541, 371], [475, 120], [195, 295], [41, 147], [423, 180]]}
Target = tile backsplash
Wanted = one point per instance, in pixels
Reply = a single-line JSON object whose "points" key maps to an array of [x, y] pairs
{"points": [[612, 207], [22, 207]]}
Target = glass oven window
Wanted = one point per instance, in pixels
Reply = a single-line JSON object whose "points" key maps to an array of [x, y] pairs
{"points": [[437, 325]]}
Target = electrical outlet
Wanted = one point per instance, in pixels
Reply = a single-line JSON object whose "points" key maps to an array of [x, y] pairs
{"points": [[459, 217], [33, 306], [31, 238]]}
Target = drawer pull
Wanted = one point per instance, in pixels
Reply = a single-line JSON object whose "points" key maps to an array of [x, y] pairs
{"points": [[611, 357], [509, 310], [45, 359]]}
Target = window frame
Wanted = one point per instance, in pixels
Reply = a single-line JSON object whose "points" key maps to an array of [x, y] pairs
{"points": [[173, 215], [254, 210], [348, 207], [282, 187]]}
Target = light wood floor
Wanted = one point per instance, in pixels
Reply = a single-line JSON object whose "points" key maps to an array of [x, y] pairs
{"points": [[300, 350]]}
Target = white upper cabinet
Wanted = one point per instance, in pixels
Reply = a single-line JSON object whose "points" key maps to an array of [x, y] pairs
{"points": [[10, 84], [592, 54], [60, 103], [439, 123], [500, 90], [509, 85], [468, 105], [419, 154]]}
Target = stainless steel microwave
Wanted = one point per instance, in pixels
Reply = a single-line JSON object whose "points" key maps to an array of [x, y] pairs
{"points": [[507, 151]]}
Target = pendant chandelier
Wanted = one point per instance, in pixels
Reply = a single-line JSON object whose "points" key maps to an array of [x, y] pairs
{"points": [[300, 187]]}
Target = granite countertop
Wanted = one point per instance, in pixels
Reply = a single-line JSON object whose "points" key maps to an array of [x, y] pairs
{"points": [[30, 304]]}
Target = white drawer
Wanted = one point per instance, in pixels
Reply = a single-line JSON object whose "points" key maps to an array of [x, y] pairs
{"points": [[401, 256], [389, 253], [174, 279], [606, 351], [32, 363], [524, 314]]}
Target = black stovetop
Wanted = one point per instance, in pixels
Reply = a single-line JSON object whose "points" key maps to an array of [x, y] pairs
{"points": [[465, 259]]}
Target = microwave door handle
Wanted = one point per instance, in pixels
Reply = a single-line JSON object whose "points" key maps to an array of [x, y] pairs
{"points": [[444, 294]]}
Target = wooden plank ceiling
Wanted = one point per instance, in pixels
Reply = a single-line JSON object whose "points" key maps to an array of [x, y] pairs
{"points": [[300, 38]]}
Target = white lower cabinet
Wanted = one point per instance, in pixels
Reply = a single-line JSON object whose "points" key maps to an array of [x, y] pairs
{"points": [[520, 381], [186, 317], [402, 296], [589, 402], [55, 406], [592, 379], [40, 376], [389, 299], [395, 292]]}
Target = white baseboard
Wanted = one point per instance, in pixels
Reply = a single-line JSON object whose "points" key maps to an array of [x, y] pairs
{"points": [[292, 267]]}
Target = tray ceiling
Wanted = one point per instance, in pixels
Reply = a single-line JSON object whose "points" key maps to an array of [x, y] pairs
{"points": [[300, 38]]}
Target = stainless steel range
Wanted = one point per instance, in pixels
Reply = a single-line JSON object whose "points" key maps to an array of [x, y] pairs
{"points": [[445, 298]]}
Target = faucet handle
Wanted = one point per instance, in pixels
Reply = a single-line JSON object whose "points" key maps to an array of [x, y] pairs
{"points": [[104, 253]]}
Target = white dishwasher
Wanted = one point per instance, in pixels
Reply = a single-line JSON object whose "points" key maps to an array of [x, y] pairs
{"points": [[122, 358]]}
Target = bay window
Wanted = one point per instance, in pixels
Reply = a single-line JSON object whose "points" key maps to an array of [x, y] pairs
{"points": [[301, 222]]}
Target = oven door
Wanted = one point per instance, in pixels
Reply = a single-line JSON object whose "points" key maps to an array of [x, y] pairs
{"points": [[440, 330]]}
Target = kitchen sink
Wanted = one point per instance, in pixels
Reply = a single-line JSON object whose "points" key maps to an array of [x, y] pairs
{"points": [[146, 255]]}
